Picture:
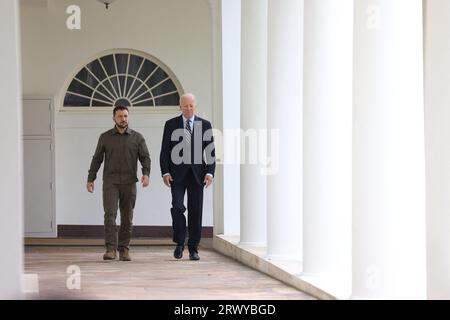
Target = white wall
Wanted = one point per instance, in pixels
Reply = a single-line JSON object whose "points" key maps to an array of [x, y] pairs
{"points": [[437, 124], [177, 32], [11, 187]]}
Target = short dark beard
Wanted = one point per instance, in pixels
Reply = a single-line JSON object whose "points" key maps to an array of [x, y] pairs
{"points": [[120, 127]]}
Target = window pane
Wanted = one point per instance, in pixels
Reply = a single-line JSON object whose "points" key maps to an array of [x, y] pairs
{"points": [[145, 96], [135, 90], [158, 76], [122, 84], [86, 77], [129, 82], [102, 89], [102, 99], [122, 61], [108, 63], [146, 69], [165, 87], [170, 100], [78, 87], [113, 80], [97, 103], [96, 69], [122, 102], [140, 92], [135, 63], [71, 100], [148, 103]]}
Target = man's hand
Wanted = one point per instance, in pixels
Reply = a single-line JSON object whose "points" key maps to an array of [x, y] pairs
{"points": [[145, 181], [167, 180], [90, 187], [208, 180]]}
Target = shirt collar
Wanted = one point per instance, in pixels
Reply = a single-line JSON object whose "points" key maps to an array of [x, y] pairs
{"points": [[184, 119], [127, 130]]}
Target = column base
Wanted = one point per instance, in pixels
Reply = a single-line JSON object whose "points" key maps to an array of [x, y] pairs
{"points": [[252, 244], [286, 271], [339, 285]]}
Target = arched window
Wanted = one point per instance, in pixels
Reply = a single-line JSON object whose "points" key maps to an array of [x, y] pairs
{"points": [[123, 78]]}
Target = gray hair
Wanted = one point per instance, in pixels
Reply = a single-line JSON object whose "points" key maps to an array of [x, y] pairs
{"points": [[188, 95]]}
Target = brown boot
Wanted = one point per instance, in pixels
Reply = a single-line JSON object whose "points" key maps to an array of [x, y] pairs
{"points": [[124, 254], [110, 255]]}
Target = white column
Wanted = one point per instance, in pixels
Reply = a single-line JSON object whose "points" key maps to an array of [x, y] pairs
{"points": [[11, 194], [217, 118], [388, 156], [285, 125], [328, 65], [253, 120], [437, 133], [231, 58]]}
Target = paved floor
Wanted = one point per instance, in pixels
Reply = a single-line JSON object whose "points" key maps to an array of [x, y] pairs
{"points": [[153, 274]]}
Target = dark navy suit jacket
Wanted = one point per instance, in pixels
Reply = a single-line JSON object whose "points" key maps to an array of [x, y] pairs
{"points": [[205, 162]]}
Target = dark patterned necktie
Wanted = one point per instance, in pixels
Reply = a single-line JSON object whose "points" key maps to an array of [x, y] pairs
{"points": [[188, 131]]}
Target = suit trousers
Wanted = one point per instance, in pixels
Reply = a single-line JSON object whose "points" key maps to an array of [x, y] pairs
{"points": [[116, 196], [194, 208]]}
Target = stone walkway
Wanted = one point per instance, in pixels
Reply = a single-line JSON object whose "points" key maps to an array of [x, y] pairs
{"points": [[153, 275]]}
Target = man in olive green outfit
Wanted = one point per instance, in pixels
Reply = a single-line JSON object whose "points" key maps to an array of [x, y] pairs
{"points": [[121, 148]]}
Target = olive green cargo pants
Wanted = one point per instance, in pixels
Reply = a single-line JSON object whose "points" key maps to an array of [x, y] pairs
{"points": [[116, 196]]}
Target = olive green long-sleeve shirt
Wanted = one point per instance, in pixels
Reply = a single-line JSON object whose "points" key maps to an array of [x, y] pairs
{"points": [[120, 153]]}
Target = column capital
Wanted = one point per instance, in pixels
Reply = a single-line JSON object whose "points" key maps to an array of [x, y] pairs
{"points": [[213, 4]]}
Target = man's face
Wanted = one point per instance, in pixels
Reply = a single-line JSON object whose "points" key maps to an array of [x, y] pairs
{"points": [[121, 119], [187, 106]]}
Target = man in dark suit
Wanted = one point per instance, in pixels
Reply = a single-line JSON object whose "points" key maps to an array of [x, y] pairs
{"points": [[187, 162]]}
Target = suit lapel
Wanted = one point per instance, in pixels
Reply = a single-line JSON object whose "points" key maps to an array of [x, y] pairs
{"points": [[180, 122]]}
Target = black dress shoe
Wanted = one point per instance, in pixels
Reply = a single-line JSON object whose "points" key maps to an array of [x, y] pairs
{"points": [[193, 256], [178, 252]]}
